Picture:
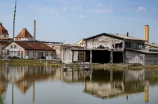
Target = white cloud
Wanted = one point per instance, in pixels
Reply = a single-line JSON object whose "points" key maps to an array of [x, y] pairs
{"points": [[102, 10], [99, 5], [61, 1], [155, 9], [53, 11], [76, 7], [64, 8], [141, 9], [31, 7], [82, 16]]}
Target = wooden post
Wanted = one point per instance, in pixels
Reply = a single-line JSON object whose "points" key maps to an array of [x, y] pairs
{"points": [[90, 56], [111, 56]]}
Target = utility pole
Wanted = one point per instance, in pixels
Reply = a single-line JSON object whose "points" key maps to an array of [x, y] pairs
{"points": [[14, 18]]}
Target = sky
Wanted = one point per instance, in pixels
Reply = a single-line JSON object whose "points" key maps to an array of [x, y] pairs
{"points": [[69, 21]]}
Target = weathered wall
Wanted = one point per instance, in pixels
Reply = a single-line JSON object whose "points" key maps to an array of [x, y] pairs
{"points": [[66, 55], [134, 57], [103, 42]]}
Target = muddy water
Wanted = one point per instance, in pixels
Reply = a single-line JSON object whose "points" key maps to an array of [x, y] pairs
{"points": [[47, 85]]}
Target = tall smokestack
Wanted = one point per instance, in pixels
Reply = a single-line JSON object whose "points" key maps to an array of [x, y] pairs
{"points": [[146, 32], [34, 32]]}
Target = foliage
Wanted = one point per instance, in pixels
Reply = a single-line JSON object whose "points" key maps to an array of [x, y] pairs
{"points": [[2, 98]]}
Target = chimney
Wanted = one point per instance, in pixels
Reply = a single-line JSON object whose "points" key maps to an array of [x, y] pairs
{"points": [[34, 32], [0, 23], [127, 33], [146, 32]]}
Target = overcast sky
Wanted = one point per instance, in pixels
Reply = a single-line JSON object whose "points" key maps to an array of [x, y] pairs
{"points": [[72, 20]]}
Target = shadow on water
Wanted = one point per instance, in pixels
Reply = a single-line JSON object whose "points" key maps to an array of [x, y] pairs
{"points": [[104, 84]]}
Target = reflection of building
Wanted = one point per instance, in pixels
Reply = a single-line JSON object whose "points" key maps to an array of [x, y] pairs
{"points": [[3, 82], [146, 93], [108, 84]]}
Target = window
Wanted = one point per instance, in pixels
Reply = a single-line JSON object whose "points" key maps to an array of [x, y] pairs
{"points": [[11, 53], [28, 53], [128, 44], [11, 46], [46, 53], [52, 54], [56, 47], [18, 53], [5, 36], [34, 53], [14, 46], [15, 53]]}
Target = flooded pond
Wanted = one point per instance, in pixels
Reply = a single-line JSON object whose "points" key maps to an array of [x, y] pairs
{"points": [[39, 85]]}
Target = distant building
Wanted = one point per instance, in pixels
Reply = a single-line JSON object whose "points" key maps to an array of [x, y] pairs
{"points": [[81, 42], [23, 35], [4, 38], [146, 33], [29, 50]]}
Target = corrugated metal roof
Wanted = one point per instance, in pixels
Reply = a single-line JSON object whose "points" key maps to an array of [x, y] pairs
{"points": [[120, 36]]}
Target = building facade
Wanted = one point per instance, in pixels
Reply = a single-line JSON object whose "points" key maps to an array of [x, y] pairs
{"points": [[29, 50], [116, 48]]}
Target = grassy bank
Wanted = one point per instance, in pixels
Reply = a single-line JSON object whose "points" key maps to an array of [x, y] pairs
{"points": [[123, 66], [19, 62]]}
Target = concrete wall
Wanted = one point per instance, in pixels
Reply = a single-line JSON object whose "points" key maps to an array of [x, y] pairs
{"points": [[66, 55], [151, 59], [104, 41], [134, 57]]}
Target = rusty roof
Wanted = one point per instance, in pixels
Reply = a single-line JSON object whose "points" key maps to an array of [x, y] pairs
{"points": [[3, 30], [24, 34], [34, 46]]}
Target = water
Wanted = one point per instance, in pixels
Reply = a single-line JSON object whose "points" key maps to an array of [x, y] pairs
{"points": [[39, 85]]}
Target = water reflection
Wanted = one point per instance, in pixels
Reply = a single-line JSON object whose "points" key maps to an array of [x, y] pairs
{"points": [[104, 84]]}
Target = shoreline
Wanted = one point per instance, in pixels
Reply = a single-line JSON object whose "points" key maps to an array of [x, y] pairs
{"points": [[57, 63]]}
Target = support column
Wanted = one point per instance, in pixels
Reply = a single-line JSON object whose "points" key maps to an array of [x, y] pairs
{"points": [[123, 57], [85, 56], [111, 56], [72, 56], [90, 56]]}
